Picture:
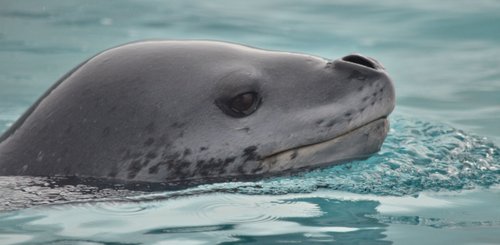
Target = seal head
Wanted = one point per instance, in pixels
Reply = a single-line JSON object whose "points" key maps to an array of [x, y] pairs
{"points": [[162, 111]]}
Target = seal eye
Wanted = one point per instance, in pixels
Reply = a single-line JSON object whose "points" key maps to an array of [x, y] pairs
{"points": [[240, 105]]}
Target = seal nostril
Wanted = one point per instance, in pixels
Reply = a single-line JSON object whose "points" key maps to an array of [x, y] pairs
{"points": [[360, 60]]}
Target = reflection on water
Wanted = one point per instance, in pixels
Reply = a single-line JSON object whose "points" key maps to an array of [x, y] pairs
{"points": [[324, 216], [208, 219]]}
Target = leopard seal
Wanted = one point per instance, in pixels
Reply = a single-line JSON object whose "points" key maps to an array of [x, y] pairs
{"points": [[162, 111]]}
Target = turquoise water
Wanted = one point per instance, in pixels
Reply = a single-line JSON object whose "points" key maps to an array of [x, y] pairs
{"points": [[435, 181]]}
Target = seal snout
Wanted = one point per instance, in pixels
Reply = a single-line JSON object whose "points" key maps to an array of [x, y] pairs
{"points": [[195, 112], [362, 60]]}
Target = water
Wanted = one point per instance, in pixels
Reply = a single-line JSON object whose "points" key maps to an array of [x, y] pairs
{"points": [[435, 181]]}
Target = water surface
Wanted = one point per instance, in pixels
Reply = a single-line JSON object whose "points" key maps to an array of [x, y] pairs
{"points": [[435, 181]]}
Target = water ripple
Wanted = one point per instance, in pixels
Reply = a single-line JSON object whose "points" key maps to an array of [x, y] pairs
{"points": [[120, 209], [235, 209]]}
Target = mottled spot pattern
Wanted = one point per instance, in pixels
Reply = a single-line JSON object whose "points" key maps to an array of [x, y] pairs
{"points": [[368, 100]]}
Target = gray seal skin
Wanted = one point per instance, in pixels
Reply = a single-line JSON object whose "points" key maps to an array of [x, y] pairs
{"points": [[166, 111]]}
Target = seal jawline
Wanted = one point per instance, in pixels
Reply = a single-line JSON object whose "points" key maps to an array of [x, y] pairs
{"points": [[333, 141]]}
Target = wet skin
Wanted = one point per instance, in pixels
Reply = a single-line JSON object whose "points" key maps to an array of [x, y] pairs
{"points": [[161, 111]]}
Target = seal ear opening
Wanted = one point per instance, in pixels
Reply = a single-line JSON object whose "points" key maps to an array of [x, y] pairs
{"points": [[360, 60]]}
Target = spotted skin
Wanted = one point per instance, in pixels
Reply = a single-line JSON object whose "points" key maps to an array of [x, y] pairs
{"points": [[150, 111]]}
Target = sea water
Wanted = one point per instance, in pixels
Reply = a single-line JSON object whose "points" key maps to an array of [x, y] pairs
{"points": [[436, 179]]}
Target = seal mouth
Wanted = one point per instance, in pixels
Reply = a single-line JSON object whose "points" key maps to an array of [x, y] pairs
{"points": [[357, 143]]}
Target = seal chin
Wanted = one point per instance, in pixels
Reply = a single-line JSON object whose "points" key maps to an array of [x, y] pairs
{"points": [[358, 143]]}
